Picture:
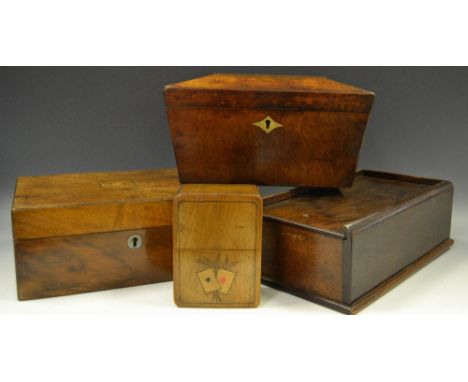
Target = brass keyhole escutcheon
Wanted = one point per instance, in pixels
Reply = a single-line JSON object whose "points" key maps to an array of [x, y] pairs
{"points": [[267, 124], [134, 242]]}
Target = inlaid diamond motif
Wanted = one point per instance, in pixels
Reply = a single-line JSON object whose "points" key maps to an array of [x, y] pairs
{"points": [[267, 124]]}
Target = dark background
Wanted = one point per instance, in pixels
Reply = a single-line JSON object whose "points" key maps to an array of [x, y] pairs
{"points": [[56, 120]]}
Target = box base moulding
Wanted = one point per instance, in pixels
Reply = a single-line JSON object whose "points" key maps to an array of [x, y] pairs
{"points": [[376, 292]]}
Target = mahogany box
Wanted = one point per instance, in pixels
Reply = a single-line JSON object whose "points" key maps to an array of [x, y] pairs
{"points": [[344, 248], [267, 130], [85, 232], [217, 246]]}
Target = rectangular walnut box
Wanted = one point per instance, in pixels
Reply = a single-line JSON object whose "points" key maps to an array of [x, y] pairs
{"points": [[217, 246], [345, 248], [85, 232], [270, 130]]}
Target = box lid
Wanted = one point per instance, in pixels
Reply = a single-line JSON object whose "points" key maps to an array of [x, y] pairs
{"points": [[268, 91], [373, 196], [72, 204], [220, 189]]}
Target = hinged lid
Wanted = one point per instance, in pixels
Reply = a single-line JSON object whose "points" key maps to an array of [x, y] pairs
{"points": [[268, 91], [73, 204], [373, 196]]}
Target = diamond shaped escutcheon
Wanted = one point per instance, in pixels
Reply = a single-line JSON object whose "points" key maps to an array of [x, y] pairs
{"points": [[267, 124]]}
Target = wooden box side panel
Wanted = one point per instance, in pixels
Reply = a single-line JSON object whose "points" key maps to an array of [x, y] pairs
{"points": [[84, 219], [303, 260], [384, 248], [84, 263], [215, 145], [217, 250]]}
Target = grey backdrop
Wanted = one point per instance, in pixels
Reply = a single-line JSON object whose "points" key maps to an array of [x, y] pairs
{"points": [[56, 120]]}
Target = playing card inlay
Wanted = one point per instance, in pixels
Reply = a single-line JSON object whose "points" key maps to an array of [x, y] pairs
{"points": [[216, 279], [217, 246]]}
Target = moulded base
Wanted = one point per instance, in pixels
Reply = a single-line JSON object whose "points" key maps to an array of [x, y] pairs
{"points": [[376, 292]]}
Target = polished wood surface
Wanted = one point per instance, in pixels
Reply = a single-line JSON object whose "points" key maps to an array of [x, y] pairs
{"points": [[73, 204], [64, 190], [217, 246], [393, 281], [218, 138], [385, 222], [332, 210], [382, 247], [303, 259], [269, 91], [219, 145], [372, 295], [58, 266], [267, 82], [71, 232]]}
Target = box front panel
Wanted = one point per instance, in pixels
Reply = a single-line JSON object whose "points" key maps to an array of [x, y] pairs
{"points": [[388, 246], [305, 261], [217, 250], [270, 146], [35, 223], [85, 263]]}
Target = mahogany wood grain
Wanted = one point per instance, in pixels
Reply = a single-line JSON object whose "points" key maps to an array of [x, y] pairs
{"points": [[215, 138], [331, 210], [302, 259], [372, 295], [393, 281], [217, 246], [219, 145], [385, 222], [269, 91]]}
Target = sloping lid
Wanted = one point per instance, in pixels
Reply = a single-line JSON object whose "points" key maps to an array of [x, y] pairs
{"points": [[71, 204], [268, 91]]}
